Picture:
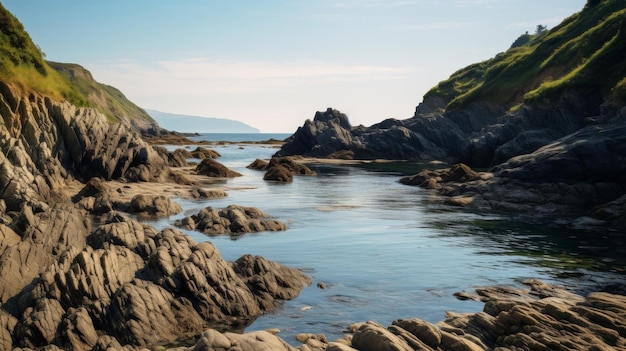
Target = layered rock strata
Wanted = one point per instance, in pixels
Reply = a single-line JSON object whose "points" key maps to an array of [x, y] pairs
{"points": [[72, 286], [45, 143]]}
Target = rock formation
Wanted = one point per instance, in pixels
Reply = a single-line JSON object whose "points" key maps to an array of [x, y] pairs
{"points": [[211, 168], [233, 220], [124, 280], [542, 317], [282, 169], [44, 143]]}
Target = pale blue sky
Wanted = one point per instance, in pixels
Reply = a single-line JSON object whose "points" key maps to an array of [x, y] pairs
{"points": [[271, 63]]}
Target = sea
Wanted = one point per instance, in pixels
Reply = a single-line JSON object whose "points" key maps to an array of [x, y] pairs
{"points": [[380, 250]]}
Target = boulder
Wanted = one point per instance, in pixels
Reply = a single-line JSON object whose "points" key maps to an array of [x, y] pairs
{"points": [[212, 168], [232, 220], [258, 164], [202, 153], [283, 169], [154, 205]]}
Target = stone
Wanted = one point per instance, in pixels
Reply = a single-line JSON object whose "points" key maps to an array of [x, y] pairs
{"points": [[258, 164], [283, 169], [202, 153], [157, 205], [232, 220], [212, 168]]}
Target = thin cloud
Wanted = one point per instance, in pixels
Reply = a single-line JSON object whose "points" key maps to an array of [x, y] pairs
{"points": [[222, 76]]}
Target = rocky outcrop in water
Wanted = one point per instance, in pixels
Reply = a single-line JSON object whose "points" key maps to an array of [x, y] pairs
{"points": [[283, 169], [211, 168], [578, 175], [232, 220], [542, 317]]}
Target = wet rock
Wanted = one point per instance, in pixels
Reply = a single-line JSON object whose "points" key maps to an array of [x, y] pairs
{"points": [[233, 220], [203, 153], [158, 205], [279, 173], [283, 169], [212, 168], [435, 179], [201, 193], [258, 164]]}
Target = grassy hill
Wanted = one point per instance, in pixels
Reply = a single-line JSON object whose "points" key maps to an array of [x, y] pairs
{"points": [[23, 65], [585, 53]]}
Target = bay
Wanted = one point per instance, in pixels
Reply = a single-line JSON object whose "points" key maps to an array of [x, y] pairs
{"points": [[383, 252]]}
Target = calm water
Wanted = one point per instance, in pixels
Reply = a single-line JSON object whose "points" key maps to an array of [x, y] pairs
{"points": [[384, 253]]}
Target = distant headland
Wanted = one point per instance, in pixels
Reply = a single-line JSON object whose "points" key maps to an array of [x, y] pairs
{"points": [[199, 124]]}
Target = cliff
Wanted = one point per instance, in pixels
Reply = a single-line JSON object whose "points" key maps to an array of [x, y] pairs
{"points": [[76, 272], [549, 111]]}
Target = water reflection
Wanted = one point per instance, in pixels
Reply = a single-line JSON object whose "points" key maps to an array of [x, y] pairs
{"points": [[384, 254]]}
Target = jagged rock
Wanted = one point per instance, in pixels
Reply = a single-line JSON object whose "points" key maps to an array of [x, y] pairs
{"points": [[158, 205], [233, 220], [544, 317], [7, 325], [258, 164], [96, 197], [128, 284], [141, 313], [176, 158], [43, 236], [44, 143], [212, 168]]}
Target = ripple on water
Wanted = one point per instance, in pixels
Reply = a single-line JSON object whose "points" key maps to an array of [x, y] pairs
{"points": [[384, 254]]}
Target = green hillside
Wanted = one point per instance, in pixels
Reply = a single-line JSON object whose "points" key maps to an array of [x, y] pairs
{"points": [[585, 53], [23, 65], [106, 98]]}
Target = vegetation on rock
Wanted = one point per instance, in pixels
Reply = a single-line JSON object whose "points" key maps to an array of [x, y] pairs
{"points": [[584, 53]]}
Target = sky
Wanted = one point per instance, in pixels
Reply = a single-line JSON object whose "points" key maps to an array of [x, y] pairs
{"points": [[273, 63]]}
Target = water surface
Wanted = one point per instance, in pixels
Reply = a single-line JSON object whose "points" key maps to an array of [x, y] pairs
{"points": [[383, 253]]}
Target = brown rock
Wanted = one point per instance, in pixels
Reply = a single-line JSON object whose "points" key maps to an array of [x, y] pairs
{"points": [[212, 168], [233, 220], [258, 164], [159, 205], [203, 153]]}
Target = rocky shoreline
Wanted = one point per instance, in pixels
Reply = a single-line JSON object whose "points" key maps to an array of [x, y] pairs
{"points": [[539, 317], [85, 275]]}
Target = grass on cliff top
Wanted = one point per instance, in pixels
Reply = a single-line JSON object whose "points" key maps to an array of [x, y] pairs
{"points": [[585, 53], [109, 100], [22, 64]]}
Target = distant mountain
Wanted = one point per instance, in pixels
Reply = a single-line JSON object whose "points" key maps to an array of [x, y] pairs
{"points": [[199, 124]]}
